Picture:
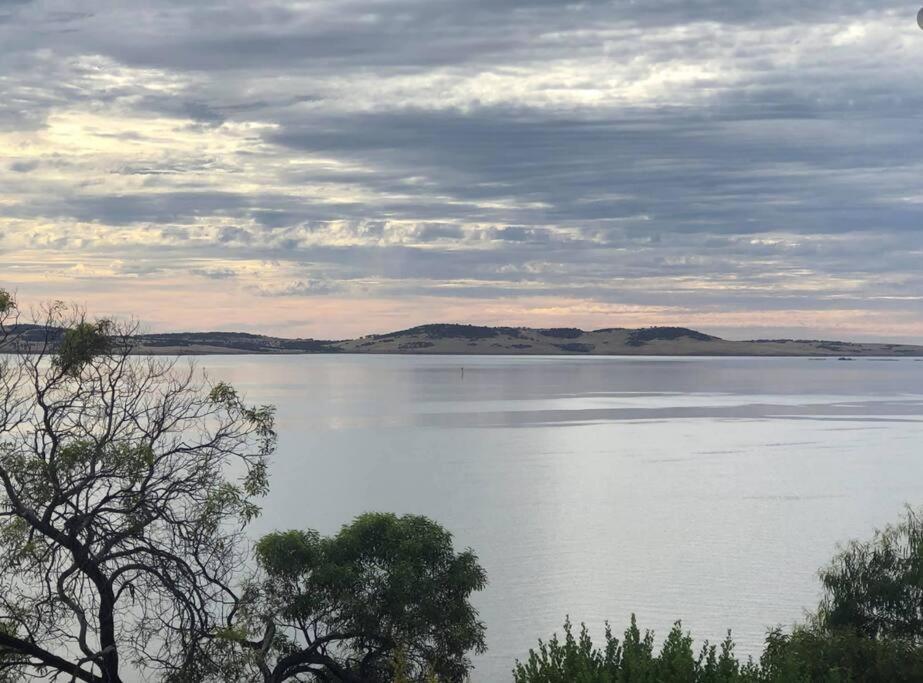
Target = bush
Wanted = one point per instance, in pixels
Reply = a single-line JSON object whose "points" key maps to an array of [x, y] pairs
{"points": [[575, 659], [838, 656], [806, 655]]}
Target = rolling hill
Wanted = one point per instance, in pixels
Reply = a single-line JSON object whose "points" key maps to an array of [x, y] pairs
{"points": [[476, 339], [655, 341]]}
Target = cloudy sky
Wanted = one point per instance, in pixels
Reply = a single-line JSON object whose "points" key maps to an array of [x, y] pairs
{"points": [[335, 167]]}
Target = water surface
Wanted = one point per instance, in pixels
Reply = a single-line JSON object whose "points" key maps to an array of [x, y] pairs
{"points": [[707, 489]]}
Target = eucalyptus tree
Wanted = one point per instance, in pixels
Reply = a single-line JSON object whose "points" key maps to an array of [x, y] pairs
{"points": [[385, 599], [875, 587], [125, 484]]}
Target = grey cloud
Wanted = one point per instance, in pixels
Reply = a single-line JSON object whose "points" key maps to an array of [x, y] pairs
{"points": [[681, 171], [229, 234], [174, 234], [305, 287], [519, 234], [409, 34], [143, 208], [436, 232], [215, 273], [24, 166], [178, 167]]}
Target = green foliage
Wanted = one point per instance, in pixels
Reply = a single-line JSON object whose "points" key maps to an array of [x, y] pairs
{"points": [[633, 660], [838, 656], [7, 302], [807, 655], [130, 460], [81, 343], [875, 587], [8, 315], [389, 591]]}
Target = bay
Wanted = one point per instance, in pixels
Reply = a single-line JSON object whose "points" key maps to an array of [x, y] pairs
{"points": [[706, 489]]}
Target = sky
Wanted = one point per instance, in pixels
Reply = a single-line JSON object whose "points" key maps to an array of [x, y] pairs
{"points": [[333, 168]]}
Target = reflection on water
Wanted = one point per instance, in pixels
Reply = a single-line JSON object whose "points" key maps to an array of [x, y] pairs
{"points": [[701, 488]]}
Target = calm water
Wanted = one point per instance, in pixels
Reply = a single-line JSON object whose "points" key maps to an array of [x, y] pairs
{"points": [[706, 489]]}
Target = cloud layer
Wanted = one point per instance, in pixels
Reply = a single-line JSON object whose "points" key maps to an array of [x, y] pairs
{"points": [[336, 167]]}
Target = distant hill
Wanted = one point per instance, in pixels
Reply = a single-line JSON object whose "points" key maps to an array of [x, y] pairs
{"points": [[648, 341], [476, 339], [235, 342], [35, 337]]}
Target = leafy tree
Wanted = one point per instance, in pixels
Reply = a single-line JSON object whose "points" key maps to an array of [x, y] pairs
{"points": [[80, 343], [810, 653], [8, 314], [120, 522], [384, 599], [875, 587]]}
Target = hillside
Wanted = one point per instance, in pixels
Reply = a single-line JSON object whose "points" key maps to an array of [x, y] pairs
{"points": [[655, 341], [34, 338], [474, 339], [231, 342]]}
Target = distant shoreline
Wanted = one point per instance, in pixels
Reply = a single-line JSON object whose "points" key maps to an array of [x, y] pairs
{"points": [[472, 340], [253, 354]]}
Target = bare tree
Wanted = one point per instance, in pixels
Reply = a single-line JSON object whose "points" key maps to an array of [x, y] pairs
{"points": [[125, 485]]}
